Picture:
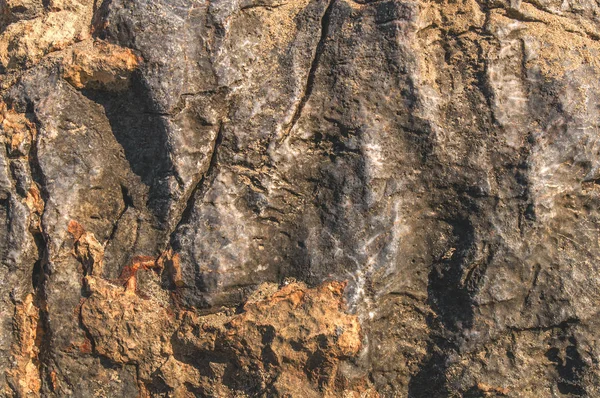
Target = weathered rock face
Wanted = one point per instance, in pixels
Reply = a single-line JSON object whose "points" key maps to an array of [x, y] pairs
{"points": [[340, 198], [288, 342]]}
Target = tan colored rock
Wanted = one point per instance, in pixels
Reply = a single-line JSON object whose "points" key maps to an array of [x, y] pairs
{"points": [[19, 131], [554, 44], [292, 339], [101, 65], [34, 200], [126, 328], [87, 249], [25, 43], [284, 340], [24, 377]]}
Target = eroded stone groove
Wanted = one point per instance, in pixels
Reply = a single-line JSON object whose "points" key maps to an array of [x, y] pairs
{"points": [[310, 78]]}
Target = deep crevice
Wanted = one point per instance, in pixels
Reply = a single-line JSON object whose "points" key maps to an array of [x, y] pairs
{"points": [[263, 6], [310, 80], [40, 272], [128, 202], [204, 184]]}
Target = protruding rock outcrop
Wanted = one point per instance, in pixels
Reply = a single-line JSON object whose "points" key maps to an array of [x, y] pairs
{"points": [[282, 342]]}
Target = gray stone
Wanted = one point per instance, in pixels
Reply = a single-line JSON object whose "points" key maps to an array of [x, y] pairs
{"points": [[441, 157]]}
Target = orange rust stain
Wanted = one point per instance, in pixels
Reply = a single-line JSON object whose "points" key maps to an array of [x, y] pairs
{"points": [[291, 293], [128, 275], [76, 229], [53, 381], [144, 262], [86, 346]]}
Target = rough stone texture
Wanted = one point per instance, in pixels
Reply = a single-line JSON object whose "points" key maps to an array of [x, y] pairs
{"points": [[351, 198], [282, 342]]}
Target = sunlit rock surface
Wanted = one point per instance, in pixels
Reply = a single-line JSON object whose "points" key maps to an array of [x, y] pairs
{"points": [[298, 198]]}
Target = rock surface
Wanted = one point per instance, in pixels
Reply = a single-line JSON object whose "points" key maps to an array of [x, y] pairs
{"points": [[298, 198]]}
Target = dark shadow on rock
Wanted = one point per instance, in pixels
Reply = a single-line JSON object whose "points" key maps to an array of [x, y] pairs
{"points": [[570, 367], [430, 380], [451, 301], [448, 298], [142, 132]]}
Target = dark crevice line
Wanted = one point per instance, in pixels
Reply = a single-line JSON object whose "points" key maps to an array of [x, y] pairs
{"points": [[263, 6], [202, 186], [521, 17], [524, 69], [412, 296], [39, 278], [484, 84], [368, 2], [40, 273], [128, 202], [178, 178], [310, 80], [561, 325], [534, 282]]}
